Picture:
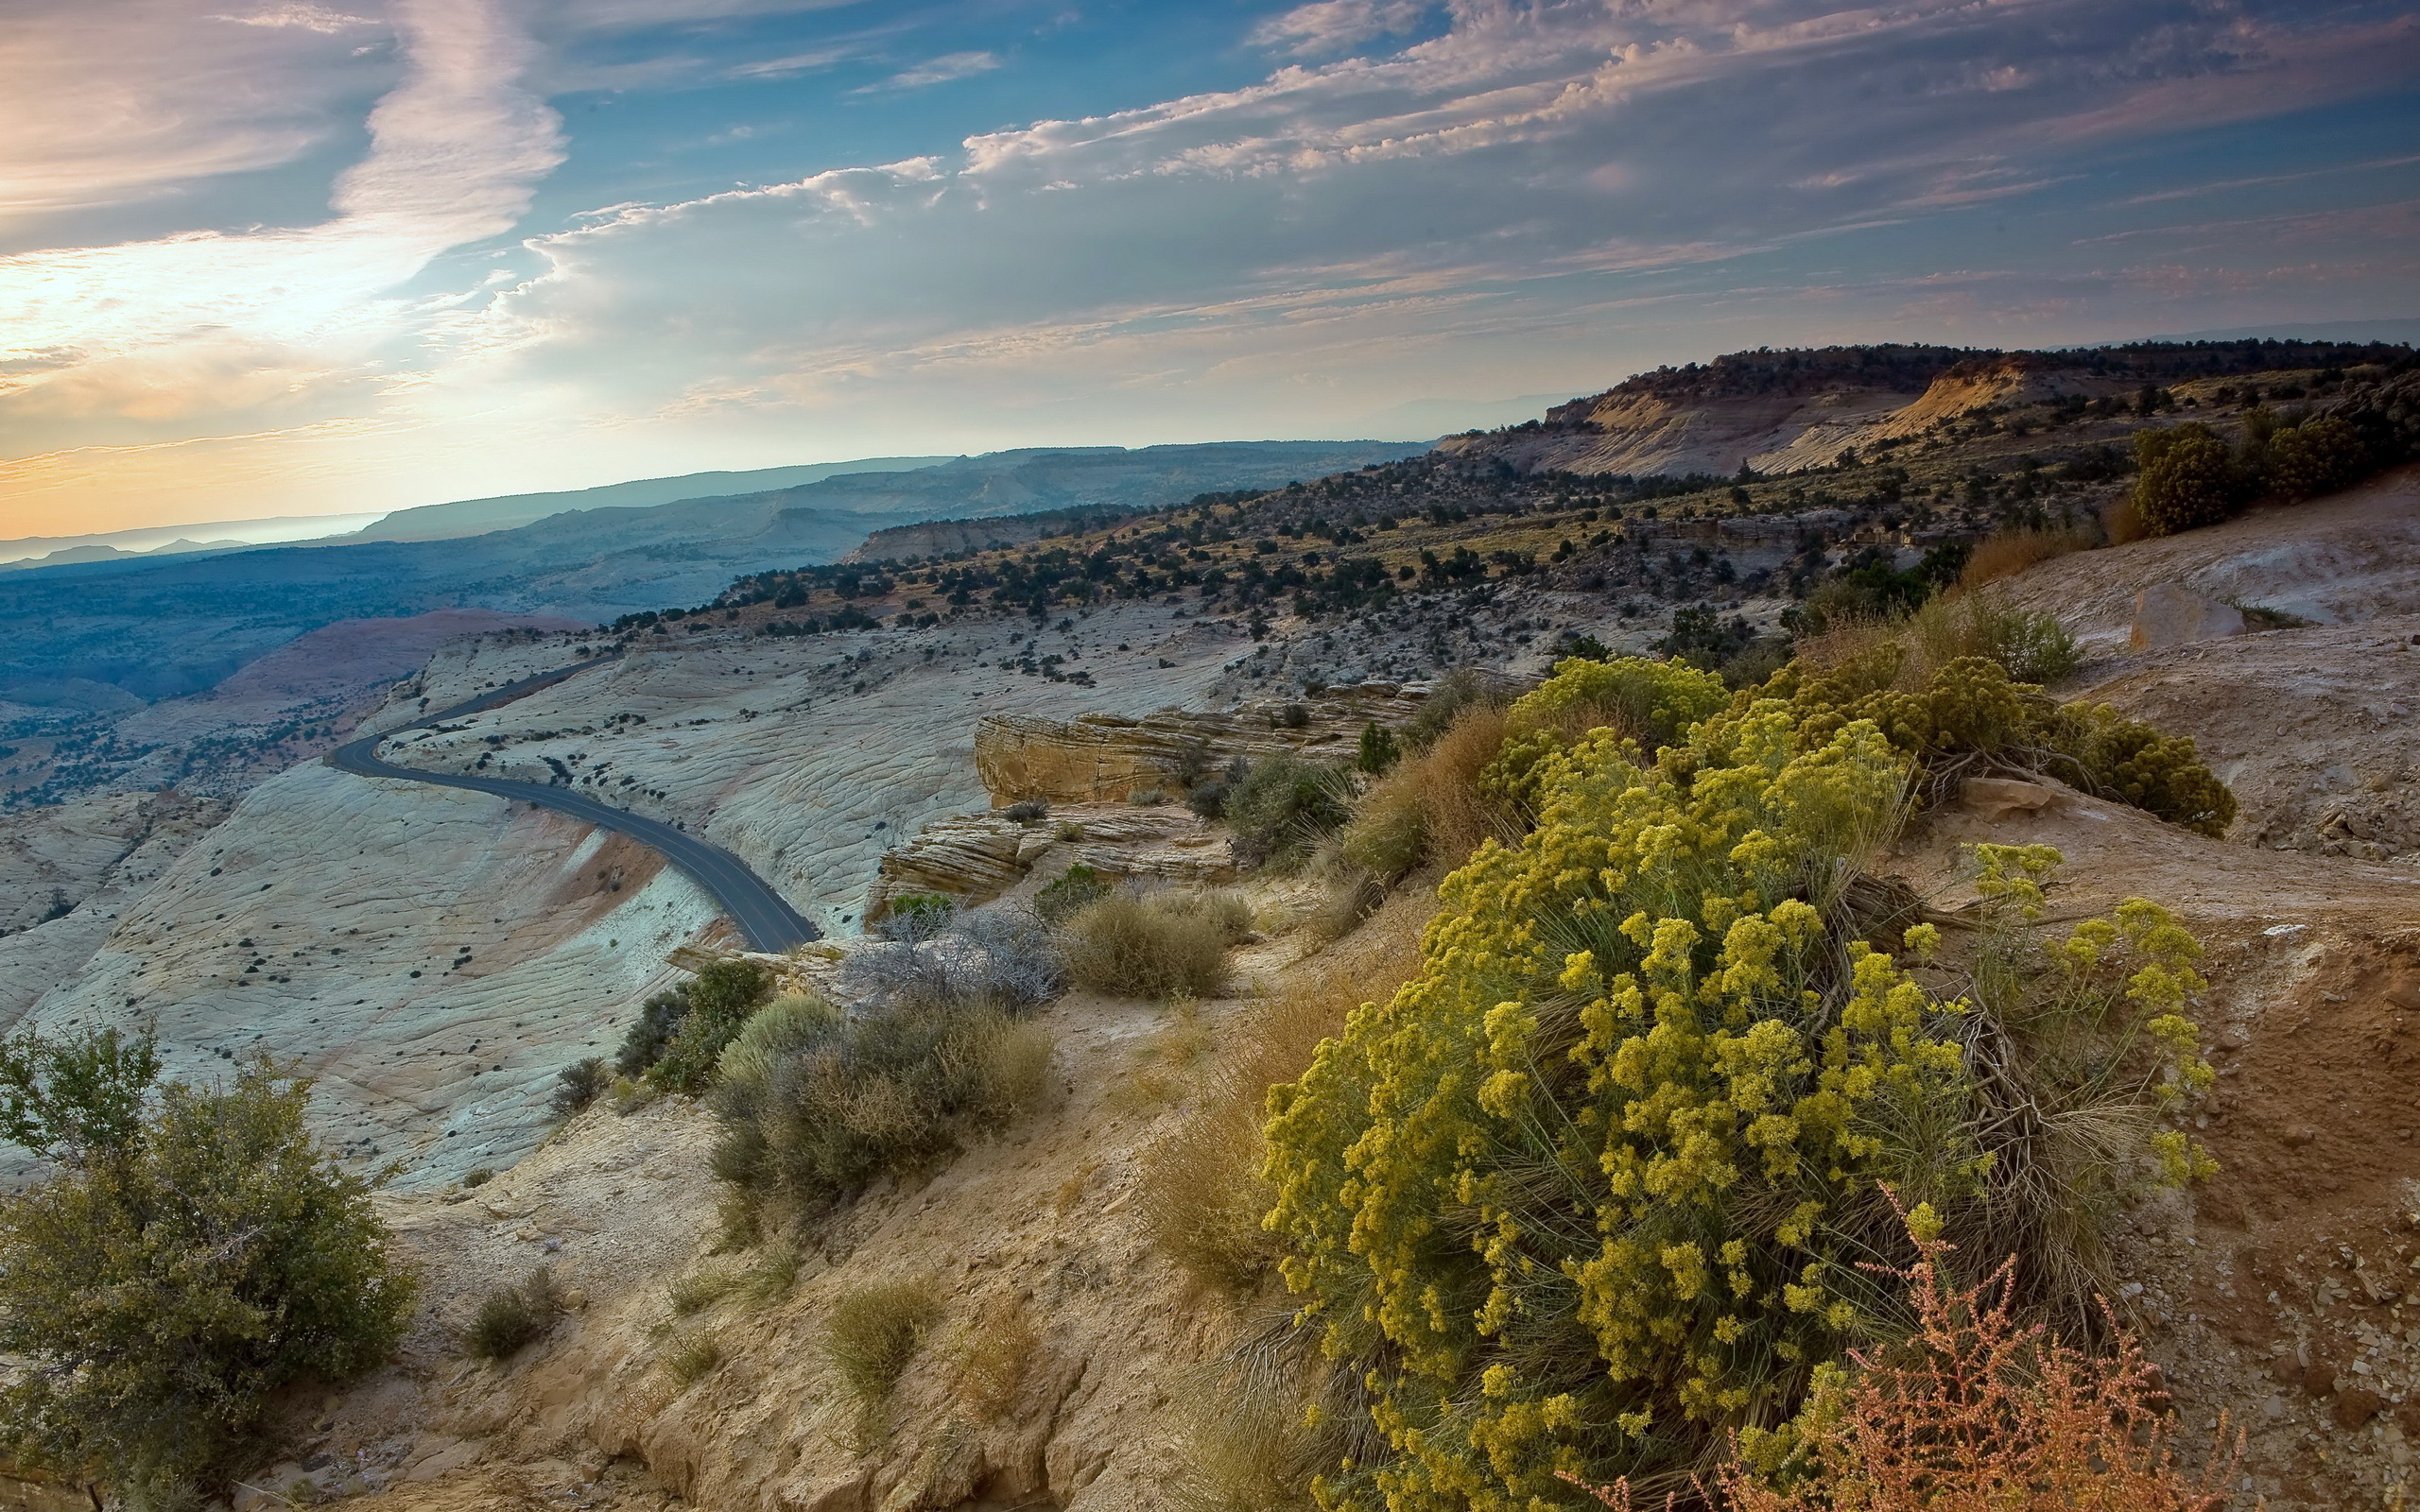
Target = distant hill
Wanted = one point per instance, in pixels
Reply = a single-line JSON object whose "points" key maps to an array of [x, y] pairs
{"points": [[474, 517], [157, 628]]}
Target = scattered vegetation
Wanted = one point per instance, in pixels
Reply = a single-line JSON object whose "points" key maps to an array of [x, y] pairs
{"points": [[991, 957], [2006, 553], [1164, 944], [1283, 808], [1070, 893], [1655, 1069], [192, 1251], [511, 1317], [692, 1357]]}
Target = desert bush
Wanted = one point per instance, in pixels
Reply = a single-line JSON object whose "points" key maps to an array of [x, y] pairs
{"points": [[1283, 807], [721, 999], [2185, 479], [1070, 893], [2006, 553], [1970, 717], [875, 1332], [1027, 811], [2317, 456], [644, 1042], [578, 1085], [912, 918], [692, 1357], [177, 1266], [702, 1289], [1590, 1191], [1453, 695], [1153, 945], [994, 956], [1975, 1410], [1634, 698], [1379, 749], [2033, 645], [991, 1356], [814, 1105], [1207, 797], [510, 1317]]}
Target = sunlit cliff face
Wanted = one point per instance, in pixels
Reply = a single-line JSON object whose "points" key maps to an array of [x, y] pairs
{"points": [[270, 257]]}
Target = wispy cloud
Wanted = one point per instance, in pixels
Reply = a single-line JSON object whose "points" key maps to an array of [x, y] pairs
{"points": [[806, 63], [1332, 25], [947, 68], [309, 17]]}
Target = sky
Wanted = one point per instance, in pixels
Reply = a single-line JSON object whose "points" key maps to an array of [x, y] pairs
{"points": [[295, 257]]}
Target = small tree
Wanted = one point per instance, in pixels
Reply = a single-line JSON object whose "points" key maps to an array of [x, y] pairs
{"points": [[174, 1269], [1379, 749], [2315, 458]]}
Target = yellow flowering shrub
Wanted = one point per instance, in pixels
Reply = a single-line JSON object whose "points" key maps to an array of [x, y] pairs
{"points": [[1972, 716], [1592, 1191]]}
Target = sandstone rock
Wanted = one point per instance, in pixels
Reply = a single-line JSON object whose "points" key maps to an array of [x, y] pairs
{"points": [[1097, 757], [1997, 798], [2166, 615], [972, 857]]}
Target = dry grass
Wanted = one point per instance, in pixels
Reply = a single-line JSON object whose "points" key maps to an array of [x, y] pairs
{"points": [[692, 1357], [1203, 1197], [1169, 1065], [2123, 522], [1430, 808], [1154, 945], [993, 1354], [876, 1330], [2007, 553], [702, 1289], [1873, 653], [1977, 1412]]}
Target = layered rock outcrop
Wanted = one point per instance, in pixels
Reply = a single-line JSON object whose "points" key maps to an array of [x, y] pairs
{"points": [[1099, 758]]}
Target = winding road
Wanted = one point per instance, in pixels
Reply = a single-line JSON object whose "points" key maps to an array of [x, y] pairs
{"points": [[770, 924]]}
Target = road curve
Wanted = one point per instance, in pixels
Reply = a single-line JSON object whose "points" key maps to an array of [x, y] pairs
{"points": [[770, 924]]}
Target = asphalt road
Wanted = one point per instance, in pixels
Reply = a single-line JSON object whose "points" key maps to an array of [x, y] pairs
{"points": [[770, 924]]}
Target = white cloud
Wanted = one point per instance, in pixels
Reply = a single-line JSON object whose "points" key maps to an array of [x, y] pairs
{"points": [[943, 70], [1332, 25], [309, 17], [455, 148]]}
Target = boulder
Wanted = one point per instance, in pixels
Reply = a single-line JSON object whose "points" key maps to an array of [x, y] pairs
{"points": [[1997, 798], [2167, 614]]}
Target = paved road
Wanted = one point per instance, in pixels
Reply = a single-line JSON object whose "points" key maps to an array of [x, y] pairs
{"points": [[770, 924]]}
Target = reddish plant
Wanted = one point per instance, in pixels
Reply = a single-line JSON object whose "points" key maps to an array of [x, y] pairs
{"points": [[1977, 1412]]}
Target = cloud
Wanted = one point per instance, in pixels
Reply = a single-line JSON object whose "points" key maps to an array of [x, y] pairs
{"points": [[1548, 191], [806, 63], [943, 70], [309, 17], [455, 149], [1332, 25]]}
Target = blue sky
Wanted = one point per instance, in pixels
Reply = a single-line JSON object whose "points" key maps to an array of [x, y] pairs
{"points": [[294, 256]]}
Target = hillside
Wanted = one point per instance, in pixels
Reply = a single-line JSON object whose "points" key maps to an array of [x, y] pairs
{"points": [[866, 730]]}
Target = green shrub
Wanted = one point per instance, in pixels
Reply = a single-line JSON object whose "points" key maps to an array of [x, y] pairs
{"points": [[1592, 1193], [644, 1042], [1379, 749], [2317, 456], [2185, 479], [176, 1270], [1389, 833], [1156, 945], [2032, 646], [814, 1105], [875, 1331], [1652, 701], [1073, 891], [720, 1001], [510, 1317], [71, 1098], [1283, 807], [578, 1085]]}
